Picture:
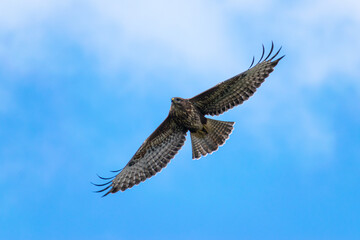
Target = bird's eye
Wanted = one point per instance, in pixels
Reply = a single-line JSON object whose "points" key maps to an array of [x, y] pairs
{"points": [[177, 100]]}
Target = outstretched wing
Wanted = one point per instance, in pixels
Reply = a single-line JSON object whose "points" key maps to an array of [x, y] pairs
{"points": [[237, 89], [153, 155]]}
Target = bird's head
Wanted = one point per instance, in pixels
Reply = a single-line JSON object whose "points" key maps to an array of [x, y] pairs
{"points": [[177, 102]]}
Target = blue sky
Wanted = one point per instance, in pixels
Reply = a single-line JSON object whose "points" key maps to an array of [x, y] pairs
{"points": [[83, 83]]}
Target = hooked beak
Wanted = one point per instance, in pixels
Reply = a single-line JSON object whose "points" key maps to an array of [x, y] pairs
{"points": [[172, 100]]}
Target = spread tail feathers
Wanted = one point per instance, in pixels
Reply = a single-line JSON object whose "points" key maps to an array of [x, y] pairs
{"points": [[208, 140]]}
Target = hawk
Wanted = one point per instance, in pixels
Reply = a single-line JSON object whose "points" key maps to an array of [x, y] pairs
{"points": [[189, 115]]}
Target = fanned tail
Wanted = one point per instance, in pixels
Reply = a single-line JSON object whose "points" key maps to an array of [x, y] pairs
{"points": [[208, 140]]}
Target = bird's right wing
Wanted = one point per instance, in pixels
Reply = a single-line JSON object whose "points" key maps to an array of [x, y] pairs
{"points": [[237, 89], [153, 155]]}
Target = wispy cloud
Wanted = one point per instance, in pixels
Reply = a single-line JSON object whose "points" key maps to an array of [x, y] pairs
{"points": [[24, 33], [189, 33], [322, 34], [193, 34], [19, 15]]}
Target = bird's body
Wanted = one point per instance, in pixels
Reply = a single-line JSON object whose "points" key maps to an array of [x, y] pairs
{"points": [[206, 134], [189, 115], [186, 114]]}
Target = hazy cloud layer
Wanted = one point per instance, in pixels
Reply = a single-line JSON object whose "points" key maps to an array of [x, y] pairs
{"points": [[196, 36], [318, 35]]}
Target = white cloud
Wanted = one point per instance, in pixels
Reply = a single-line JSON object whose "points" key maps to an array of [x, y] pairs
{"points": [[24, 32], [319, 37], [248, 7], [20, 14], [149, 35], [161, 32], [324, 37], [194, 34]]}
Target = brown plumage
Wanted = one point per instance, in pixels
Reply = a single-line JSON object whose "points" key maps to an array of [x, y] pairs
{"points": [[189, 115]]}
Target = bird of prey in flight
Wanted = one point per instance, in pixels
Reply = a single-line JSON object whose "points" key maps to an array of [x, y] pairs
{"points": [[189, 115]]}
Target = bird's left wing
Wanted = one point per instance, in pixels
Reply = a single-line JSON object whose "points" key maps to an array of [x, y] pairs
{"points": [[237, 89], [153, 155]]}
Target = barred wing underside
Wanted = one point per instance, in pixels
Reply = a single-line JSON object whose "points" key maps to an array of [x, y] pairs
{"points": [[153, 155], [237, 89]]}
